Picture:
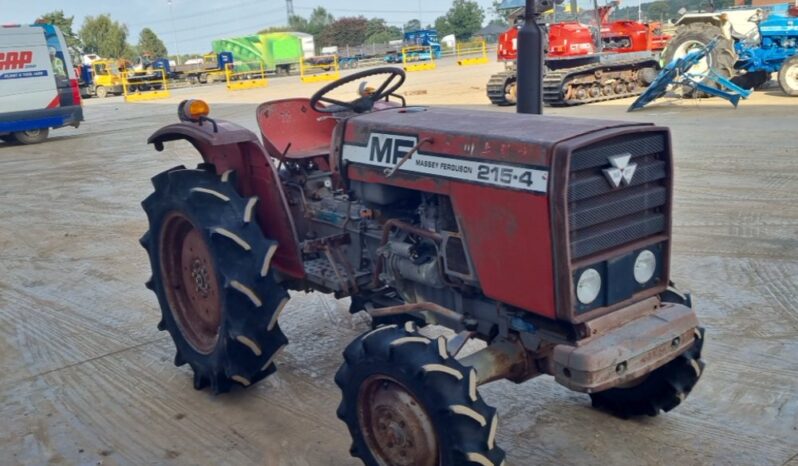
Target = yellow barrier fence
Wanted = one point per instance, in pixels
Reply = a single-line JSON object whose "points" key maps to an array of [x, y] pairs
{"points": [[472, 53], [245, 75], [150, 87], [418, 58], [321, 68]]}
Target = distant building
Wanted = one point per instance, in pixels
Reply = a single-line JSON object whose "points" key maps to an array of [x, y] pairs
{"points": [[491, 32]]}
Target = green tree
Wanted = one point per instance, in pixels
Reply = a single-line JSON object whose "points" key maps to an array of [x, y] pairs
{"points": [[64, 24], [375, 26], [412, 25], [378, 32], [150, 45], [345, 31], [105, 37], [658, 11], [464, 18], [319, 19], [297, 23], [442, 26]]}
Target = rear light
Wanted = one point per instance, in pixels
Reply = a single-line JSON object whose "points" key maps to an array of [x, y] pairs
{"points": [[73, 84]]}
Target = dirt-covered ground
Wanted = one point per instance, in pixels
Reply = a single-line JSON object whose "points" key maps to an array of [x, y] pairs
{"points": [[87, 378]]}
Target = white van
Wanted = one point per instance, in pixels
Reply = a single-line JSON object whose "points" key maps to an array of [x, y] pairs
{"points": [[38, 86]]}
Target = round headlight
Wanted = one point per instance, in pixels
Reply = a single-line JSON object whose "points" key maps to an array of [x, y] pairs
{"points": [[645, 266], [588, 286]]}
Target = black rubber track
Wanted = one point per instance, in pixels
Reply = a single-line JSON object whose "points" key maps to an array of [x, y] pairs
{"points": [[662, 390], [497, 87], [463, 440], [722, 58], [556, 82], [249, 336]]}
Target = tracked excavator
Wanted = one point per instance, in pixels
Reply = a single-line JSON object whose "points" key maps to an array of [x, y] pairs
{"points": [[588, 59]]}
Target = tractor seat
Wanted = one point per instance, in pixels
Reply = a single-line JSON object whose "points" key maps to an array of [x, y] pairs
{"points": [[293, 121]]}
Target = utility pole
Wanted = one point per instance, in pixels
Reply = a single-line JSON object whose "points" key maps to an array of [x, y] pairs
{"points": [[174, 34], [289, 10]]}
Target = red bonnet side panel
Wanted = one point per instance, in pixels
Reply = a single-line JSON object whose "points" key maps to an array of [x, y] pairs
{"points": [[508, 237]]}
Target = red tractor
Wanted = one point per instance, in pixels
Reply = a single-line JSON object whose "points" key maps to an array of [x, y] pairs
{"points": [[547, 238], [580, 68]]}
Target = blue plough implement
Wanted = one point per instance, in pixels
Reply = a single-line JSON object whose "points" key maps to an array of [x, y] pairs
{"points": [[678, 73]]}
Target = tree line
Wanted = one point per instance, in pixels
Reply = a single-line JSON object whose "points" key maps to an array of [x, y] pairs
{"points": [[663, 10], [463, 19], [108, 38], [103, 36]]}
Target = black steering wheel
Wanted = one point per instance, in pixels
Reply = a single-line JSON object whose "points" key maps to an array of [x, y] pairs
{"points": [[364, 103]]}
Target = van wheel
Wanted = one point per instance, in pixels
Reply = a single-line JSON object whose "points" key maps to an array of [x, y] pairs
{"points": [[31, 136], [101, 92]]}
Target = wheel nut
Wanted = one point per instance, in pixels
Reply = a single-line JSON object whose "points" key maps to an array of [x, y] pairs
{"points": [[621, 368], [676, 341]]}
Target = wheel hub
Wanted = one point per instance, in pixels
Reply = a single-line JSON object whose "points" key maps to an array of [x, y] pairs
{"points": [[190, 282], [200, 274], [397, 429]]}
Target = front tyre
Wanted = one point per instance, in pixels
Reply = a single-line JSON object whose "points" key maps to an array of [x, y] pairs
{"points": [[211, 273], [788, 76], [662, 390], [406, 402]]}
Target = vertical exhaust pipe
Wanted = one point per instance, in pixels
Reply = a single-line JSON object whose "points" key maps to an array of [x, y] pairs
{"points": [[529, 87]]}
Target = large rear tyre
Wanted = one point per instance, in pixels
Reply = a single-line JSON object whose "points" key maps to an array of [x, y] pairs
{"points": [[211, 273], [32, 136], [661, 390], [696, 35], [788, 77], [407, 402]]}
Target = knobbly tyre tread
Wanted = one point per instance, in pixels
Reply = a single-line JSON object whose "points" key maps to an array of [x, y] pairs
{"points": [[496, 88], [662, 390], [554, 83], [402, 353], [249, 336], [724, 57]]}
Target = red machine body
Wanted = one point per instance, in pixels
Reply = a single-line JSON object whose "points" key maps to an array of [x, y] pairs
{"points": [[573, 39]]}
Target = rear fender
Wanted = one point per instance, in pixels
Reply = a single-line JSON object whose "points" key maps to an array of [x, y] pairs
{"points": [[231, 147]]}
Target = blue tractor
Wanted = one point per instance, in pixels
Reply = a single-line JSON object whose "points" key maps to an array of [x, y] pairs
{"points": [[753, 43], [777, 50]]}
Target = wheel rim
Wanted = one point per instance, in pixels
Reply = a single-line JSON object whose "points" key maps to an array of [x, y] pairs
{"points": [[791, 77], [190, 281], [510, 91], [396, 427], [32, 132], [703, 66]]}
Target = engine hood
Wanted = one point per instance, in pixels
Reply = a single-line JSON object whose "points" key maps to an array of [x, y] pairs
{"points": [[481, 135]]}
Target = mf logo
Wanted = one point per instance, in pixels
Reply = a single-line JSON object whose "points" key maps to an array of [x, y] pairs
{"points": [[388, 149], [620, 171], [15, 60]]}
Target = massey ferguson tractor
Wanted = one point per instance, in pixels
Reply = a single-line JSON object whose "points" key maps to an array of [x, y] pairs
{"points": [[546, 238]]}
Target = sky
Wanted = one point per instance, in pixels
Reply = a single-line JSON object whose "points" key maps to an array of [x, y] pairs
{"points": [[191, 25]]}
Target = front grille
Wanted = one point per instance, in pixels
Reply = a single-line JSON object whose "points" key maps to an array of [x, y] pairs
{"points": [[602, 217]]}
